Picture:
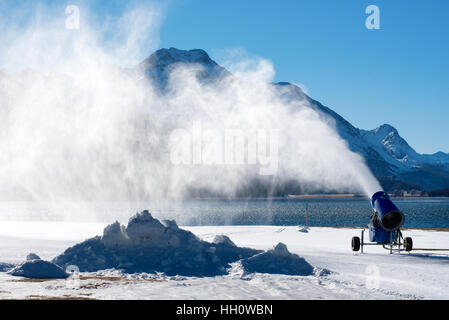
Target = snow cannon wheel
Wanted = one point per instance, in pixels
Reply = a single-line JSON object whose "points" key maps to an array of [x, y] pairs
{"points": [[408, 244], [355, 243]]}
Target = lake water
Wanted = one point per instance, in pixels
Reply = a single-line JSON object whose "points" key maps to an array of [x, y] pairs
{"points": [[419, 212], [347, 212]]}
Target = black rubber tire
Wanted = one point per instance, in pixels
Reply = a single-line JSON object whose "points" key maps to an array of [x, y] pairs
{"points": [[408, 244], [355, 243]]}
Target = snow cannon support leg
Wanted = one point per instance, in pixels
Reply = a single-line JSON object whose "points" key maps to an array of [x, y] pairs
{"points": [[391, 242], [362, 237]]}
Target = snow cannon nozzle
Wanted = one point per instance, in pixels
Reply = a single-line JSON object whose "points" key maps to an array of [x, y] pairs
{"points": [[387, 214], [377, 195]]}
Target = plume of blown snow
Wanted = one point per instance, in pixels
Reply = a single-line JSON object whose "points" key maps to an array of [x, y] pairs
{"points": [[79, 125]]}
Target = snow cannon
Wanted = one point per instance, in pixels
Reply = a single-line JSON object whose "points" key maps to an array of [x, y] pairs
{"points": [[386, 214], [384, 226]]}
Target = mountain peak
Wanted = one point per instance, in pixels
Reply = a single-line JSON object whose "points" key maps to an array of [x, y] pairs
{"points": [[164, 57], [177, 55], [159, 65], [283, 83], [385, 129]]}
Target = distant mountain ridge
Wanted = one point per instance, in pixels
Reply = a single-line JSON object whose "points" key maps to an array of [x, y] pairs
{"points": [[391, 159]]}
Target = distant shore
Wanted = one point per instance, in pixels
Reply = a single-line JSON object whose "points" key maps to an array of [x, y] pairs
{"points": [[351, 195], [331, 196], [360, 228]]}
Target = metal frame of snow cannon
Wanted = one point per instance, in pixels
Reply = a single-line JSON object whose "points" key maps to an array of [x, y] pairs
{"points": [[384, 227]]}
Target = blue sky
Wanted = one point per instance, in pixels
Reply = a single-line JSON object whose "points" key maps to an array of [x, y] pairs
{"points": [[397, 75]]}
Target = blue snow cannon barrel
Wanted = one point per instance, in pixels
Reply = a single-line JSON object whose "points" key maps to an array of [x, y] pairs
{"points": [[388, 215]]}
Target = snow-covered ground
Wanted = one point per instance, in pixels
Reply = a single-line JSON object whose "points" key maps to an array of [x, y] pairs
{"points": [[372, 275]]}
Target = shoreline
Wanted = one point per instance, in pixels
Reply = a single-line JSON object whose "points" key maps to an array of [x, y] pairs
{"points": [[360, 228]]}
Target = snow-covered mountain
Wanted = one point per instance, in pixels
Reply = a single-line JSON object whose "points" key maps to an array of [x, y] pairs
{"points": [[396, 164], [388, 140]]}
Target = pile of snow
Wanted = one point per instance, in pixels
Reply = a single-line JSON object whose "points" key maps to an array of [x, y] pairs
{"points": [[4, 267], [32, 256], [38, 269], [149, 245], [278, 261]]}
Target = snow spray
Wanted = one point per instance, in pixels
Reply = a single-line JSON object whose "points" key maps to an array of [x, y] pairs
{"points": [[81, 123]]}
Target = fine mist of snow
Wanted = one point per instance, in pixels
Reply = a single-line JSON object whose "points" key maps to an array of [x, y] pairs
{"points": [[80, 124]]}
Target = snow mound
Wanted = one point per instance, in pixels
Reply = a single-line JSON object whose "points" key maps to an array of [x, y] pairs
{"points": [[38, 269], [278, 261], [148, 245], [32, 256], [224, 240], [4, 267]]}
